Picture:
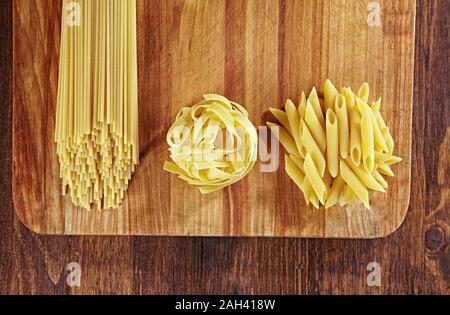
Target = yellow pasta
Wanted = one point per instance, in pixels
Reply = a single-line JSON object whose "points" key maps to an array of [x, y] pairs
{"points": [[315, 178], [355, 137], [385, 158], [377, 134], [282, 119], [97, 103], [367, 143], [313, 149], [302, 105], [213, 144], [347, 196], [315, 103], [284, 138], [335, 192], [330, 93], [380, 179], [294, 121], [366, 178], [315, 126], [340, 108], [363, 92], [294, 172], [332, 143], [338, 157], [354, 183], [385, 170]]}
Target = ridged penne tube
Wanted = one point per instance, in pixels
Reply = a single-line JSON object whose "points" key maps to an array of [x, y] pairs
{"points": [[350, 101], [366, 178], [332, 143], [315, 178], [380, 179], [347, 196], [285, 139], [314, 99], [315, 127], [363, 92], [355, 137], [302, 105], [330, 93], [389, 140], [298, 161], [294, 173], [294, 121], [335, 192], [385, 170], [354, 183], [340, 108], [367, 143], [385, 158], [313, 149], [282, 119]]}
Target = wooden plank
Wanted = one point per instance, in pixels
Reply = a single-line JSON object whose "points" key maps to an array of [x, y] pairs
{"points": [[258, 53]]}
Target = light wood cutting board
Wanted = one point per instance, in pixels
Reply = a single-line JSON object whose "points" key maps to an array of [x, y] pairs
{"points": [[255, 52]]}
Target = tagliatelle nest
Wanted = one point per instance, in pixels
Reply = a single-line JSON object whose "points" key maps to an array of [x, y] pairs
{"points": [[213, 144]]}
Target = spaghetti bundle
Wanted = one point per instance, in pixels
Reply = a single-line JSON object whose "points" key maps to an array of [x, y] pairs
{"points": [[339, 148], [212, 144], [97, 102]]}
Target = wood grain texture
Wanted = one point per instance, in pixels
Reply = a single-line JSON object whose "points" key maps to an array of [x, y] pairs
{"points": [[414, 260], [258, 53]]}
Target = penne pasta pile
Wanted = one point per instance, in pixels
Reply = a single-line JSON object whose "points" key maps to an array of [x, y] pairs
{"points": [[338, 148], [212, 144]]}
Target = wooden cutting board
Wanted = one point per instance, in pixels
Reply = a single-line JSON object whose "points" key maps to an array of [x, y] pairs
{"points": [[255, 52]]}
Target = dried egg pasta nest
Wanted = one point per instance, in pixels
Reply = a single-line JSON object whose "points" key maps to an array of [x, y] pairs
{"points": [[213, 144]]}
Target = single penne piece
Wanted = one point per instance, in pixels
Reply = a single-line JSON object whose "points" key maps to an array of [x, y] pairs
{"points": [[367, 142], [314, 99], [303, 150], [350, 101], [313, 149], [315, 127], [314, 201], [355, 137], [389, 140], [363, 92], [285, 139], [366, 178], [355, 184], [294, 121], [327, 182], [385, 158], [335, 192], [302, 105], [340, 108], [330, 93], [347, 196], [315, 178], [385, 170], [376, 109], [380, 179], [294, 172], [332, 143], [309, 192], [298, 160], [281, 116]]}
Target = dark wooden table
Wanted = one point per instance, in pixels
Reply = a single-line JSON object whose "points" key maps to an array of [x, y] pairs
{"points": [[415, 259]]}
